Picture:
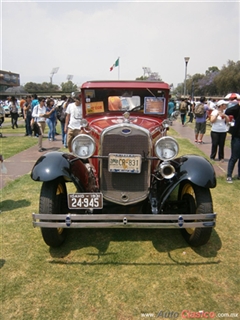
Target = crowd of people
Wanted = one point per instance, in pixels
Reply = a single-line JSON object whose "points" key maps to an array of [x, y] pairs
{"points": [[39, 112], [223, 116]]}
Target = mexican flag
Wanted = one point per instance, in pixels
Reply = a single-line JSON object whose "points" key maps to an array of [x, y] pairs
{"points": [[116, 64]]}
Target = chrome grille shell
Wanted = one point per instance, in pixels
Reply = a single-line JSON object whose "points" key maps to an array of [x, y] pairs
{"points": [[125, 188]]}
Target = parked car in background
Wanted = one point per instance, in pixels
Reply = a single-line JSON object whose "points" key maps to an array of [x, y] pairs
{"points": [[125, 169], [7, 111]]}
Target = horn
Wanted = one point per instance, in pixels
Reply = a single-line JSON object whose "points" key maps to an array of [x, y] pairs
{"points": [[166, 170]]}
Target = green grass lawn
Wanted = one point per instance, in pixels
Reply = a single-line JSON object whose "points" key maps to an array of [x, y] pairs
{"points": [[14, 140], [116, 273]]}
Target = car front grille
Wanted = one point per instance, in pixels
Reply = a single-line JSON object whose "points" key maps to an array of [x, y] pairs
{"points": [[125, 188]]}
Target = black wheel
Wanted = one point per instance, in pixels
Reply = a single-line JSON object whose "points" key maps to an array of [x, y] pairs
{"points": [[53, 199], [198, 200]]}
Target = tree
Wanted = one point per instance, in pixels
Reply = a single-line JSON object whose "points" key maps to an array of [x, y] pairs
{"points": [[211, 70], [142, 78], [228, 80], [69, 86], [32, 87], [214, 82]]}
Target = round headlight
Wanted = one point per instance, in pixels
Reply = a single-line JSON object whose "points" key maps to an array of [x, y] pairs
{"points": [[83, 146], [166, 148]]}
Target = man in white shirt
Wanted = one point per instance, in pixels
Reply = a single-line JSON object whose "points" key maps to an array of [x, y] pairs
{"points": [[211, 104], [2, 114], [72, 122], [39, 114]]}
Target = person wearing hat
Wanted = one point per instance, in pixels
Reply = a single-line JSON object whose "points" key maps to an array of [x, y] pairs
{"points": [[219, 121], [232, 101], [72, 121], [234, 111]]}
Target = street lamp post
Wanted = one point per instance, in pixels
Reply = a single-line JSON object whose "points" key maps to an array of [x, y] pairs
{"points": [[186, 63], [54, 70]]}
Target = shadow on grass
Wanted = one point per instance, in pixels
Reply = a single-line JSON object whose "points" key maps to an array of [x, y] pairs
{"points": [[8, 205], [2, 262], [163, 240]]}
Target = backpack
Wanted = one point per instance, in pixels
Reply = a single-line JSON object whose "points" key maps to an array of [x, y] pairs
{"points": [[183, 106], [199, 110], [61, 114]]}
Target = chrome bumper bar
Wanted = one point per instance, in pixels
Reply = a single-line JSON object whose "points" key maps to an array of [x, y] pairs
{"points": [[124, 221]]}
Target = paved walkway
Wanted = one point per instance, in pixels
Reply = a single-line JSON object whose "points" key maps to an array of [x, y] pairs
{"points": [[23, 162], [188, 133]]}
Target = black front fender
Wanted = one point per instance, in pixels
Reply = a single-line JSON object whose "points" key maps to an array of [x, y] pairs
{"points": [[58, 164], [51, 166], [194, 168], [199, 171]]}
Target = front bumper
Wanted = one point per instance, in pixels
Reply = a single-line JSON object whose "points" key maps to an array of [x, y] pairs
{"points": [[161, 221]]}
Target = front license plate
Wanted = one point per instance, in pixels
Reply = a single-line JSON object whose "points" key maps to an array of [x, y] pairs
{"points": [[85, 201], [130, 163]]}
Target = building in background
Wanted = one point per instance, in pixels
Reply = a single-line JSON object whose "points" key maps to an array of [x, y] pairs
{"points": [[10, 84]]}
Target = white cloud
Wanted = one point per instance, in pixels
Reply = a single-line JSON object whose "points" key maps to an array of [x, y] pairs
{"points": [[85, 38]]}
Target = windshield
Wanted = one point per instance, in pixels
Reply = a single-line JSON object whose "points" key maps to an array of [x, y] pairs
{"points": [[108, 100]]}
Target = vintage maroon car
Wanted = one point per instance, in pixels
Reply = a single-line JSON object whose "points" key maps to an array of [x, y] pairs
{"points": [[125, 169]]}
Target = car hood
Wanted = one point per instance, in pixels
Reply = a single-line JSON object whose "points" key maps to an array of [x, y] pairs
{"points": [[99, 124]]}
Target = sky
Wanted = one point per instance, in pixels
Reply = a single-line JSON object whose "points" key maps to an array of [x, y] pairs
{"points": [[84, 39]]}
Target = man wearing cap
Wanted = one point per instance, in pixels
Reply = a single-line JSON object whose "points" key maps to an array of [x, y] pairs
{"points": [[219, 121], [234, 110], [72, 122], [232, 100]]}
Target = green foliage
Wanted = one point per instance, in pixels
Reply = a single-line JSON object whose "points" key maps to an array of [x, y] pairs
{"points": [[214, 82], [142, 78], [69, 86], [228, 80], [47, 87], [32, 87], [212, 70]]}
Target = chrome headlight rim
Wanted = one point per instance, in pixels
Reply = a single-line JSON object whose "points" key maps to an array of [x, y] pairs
{"points": [[86, 141], [172, 152]]}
